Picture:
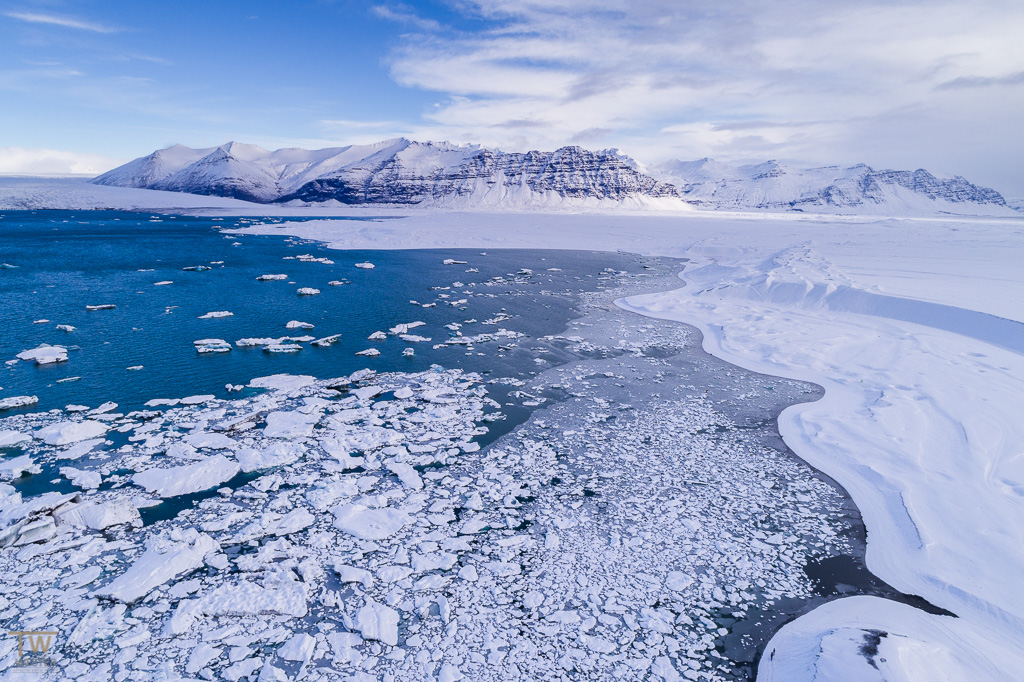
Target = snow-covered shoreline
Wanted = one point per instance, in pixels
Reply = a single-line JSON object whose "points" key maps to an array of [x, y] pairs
{"points": [[920, 424]]}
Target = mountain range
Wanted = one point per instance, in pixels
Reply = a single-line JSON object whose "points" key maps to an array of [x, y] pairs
{"points": [[401, 172]]}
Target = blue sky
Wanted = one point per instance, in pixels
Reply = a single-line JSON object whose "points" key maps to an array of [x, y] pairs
{"points": [[908, 84]]}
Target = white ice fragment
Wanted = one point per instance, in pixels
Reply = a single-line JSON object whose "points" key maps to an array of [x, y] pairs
{"points": [[365, 266], [213, 441], [166, 558], [290, 425], [369, 352], [188, 479], [80, 448], [65, 328], [271, 278], [102, 306], [405, 327], [45, 354], [18, 401], [352, 574], [279, 596], [369, 524], [162, 283], [403, 393], [14, 467], [327, 340], [406, 474], [216, 313], [197, 399], [452, 261], [298, 648], [98, 516], [377, 621], [307, 291], [282, 348], [677, 581], [295, 324], [283, 382], [85, 479], [367, 392], [62, 433], [279, 454], [9, 438]]}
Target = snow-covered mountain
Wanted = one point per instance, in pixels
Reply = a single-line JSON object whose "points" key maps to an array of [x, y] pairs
{"points": [[402, 172], [707, 183]]}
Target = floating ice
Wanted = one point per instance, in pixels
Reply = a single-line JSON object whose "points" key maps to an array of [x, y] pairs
{"points": [[63, 433], [327, 340], [162, 283], [18, 401], [271, 278], [212, 346], [102, 306], [9, 438], [369, 352], [405, 327], [165, 558], [65, 328], [45, 354], [295, 324], [189, 478], [365, 266], [377, 621], [282, 348], [369, 524], [215, 314], [452, 261], [377, 336], [308, 291], [283, 382]]}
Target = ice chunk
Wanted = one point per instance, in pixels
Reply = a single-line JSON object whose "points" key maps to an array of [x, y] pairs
{"points": [[307, 291], [295, 324], [377, 621], [98, 516], [214, 441], [369, 352], [102, 306], [327, 340], [18, 401], [377, 336], [80, 448], [212, 346], [162, 283], [9, 438], [452, 261], [85, 479], [271, 278], [281, 596], [352, 574], [406, 474], [14, 467], [45, 354], [290, 425], [215, 314], [365, 266], [405, 327], [197, 399], [62, 433], [282, 348], [166, 558], [283, 382], [298, 648], [274, 456], [188, 479], [369, 524], [65, 328]]}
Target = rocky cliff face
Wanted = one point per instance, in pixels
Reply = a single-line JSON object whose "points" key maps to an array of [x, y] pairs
{"points": [[858, 189], [398, 172]]}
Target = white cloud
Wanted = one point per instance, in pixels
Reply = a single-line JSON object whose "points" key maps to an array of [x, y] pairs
{"points": [[27, 161], [66, 22], [893, 84]]}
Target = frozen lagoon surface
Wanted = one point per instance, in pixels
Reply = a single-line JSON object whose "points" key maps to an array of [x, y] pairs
{"points": [[649, 523], [435, 551]]}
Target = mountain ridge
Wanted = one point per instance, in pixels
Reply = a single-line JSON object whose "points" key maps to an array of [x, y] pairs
{"points": [[406, 173]]}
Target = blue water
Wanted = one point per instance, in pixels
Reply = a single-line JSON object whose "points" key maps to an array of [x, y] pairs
{"points": [[65, 260]]}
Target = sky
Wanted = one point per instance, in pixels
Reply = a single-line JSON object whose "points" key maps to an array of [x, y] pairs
{"points": [[88, 84]]}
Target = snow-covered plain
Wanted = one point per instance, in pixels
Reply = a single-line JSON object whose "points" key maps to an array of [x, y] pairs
{"points": [[915, 327]]}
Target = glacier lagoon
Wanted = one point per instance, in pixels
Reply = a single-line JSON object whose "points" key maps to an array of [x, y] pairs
{"points": [[650, 516]]}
